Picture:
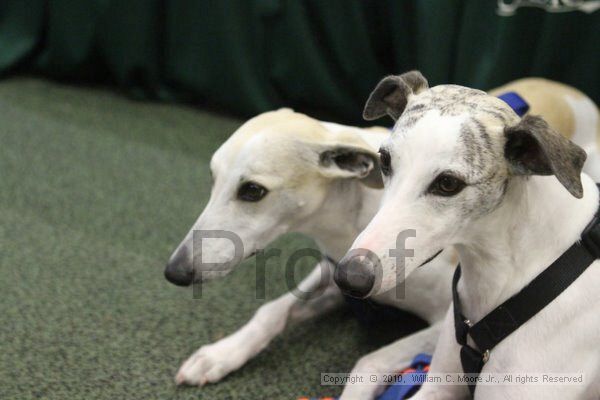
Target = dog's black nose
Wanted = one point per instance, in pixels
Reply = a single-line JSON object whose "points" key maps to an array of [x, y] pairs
{"points": [[355, 276], [179, 271]]}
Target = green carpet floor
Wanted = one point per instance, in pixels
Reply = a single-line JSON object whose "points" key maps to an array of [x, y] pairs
{"points": [[96, 191]]}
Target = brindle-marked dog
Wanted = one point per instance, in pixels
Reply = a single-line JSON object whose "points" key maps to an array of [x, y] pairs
{"points": [[464, 171]]}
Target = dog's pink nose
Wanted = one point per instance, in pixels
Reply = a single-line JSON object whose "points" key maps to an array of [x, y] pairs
{"points": [[355, 275], [179, 270]]}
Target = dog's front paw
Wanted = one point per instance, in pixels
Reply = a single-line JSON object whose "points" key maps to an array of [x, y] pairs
{"points": [[208, 364]]}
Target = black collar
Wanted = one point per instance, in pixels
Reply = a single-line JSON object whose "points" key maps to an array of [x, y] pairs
{"points": [[514, 312]]}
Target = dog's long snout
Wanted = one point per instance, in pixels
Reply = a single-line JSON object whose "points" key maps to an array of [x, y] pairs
{"points": [[355, 276], [179, 270]]}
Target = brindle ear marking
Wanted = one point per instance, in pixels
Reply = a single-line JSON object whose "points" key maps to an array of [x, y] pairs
{"points": [[533, 148], [391, 95]]}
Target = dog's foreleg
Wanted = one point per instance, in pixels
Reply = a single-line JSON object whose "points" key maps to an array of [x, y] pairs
{"points": [[446, 360], [214, 361], [389, 360]]}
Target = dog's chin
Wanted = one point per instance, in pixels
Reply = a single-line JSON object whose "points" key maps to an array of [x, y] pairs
{"points": [[207, 276], [430, 259]]}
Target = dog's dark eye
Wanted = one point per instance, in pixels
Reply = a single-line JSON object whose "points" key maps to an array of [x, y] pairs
{"points": [[251, 191], [446, 185], [386, 162]]}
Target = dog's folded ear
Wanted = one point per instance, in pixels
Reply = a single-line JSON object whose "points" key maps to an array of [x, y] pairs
{"points": [[391, 95], [533, 148], [351, 162]]}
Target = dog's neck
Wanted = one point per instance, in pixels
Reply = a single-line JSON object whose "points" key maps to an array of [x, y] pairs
{"points": [[346, 210], [503, 251]]}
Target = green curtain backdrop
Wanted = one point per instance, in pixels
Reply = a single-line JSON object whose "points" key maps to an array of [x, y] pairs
{"points": [[323, 57]]}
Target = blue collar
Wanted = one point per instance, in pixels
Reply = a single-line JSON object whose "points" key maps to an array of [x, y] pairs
{"points": [[516, 102]]}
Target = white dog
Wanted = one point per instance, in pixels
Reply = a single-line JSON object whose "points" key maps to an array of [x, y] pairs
{"points": [[463, 170], [281, 172]]}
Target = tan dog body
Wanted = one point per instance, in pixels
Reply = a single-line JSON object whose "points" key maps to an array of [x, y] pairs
{"points": [[567, 111]]}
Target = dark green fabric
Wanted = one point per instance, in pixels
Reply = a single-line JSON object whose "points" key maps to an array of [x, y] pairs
{"points": [[248, 56]]}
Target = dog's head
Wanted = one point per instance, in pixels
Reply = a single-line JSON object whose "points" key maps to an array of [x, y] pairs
{"points": [[452, 155], [270, 176]]}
